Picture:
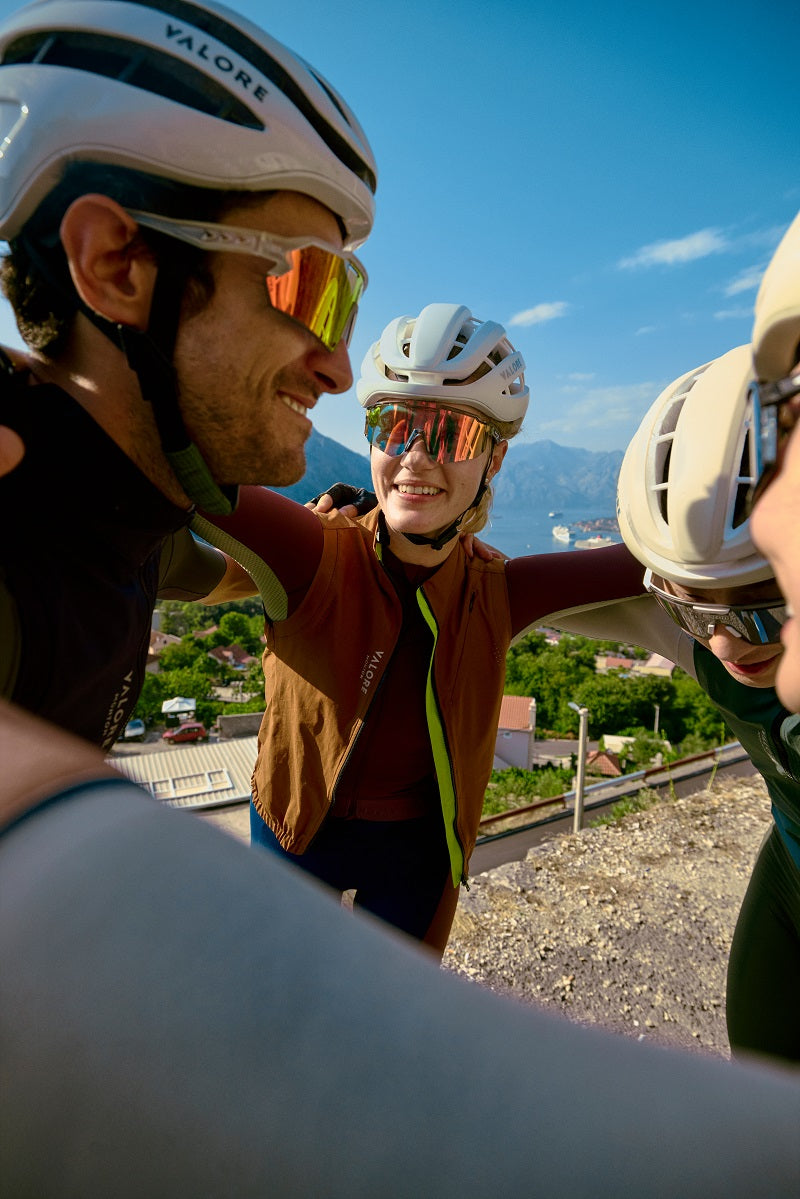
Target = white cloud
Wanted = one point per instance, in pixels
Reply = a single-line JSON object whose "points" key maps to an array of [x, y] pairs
{"points": [[747, 280], [678, 250], [734, 314], [608, 415], [540, 313], [578, 377], [644, 329]]}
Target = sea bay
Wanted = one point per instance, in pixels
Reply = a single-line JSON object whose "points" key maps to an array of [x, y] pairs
{"points": [[529, 531]]}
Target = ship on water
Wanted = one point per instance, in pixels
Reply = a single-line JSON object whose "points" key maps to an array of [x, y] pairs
{"points": [[551, 514], [561, 533], [593, 543]]}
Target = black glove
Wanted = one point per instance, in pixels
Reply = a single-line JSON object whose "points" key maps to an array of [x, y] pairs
{"points": [[344, 493]]}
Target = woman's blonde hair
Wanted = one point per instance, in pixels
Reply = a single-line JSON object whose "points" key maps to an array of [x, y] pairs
{"points": [[477, 517]]}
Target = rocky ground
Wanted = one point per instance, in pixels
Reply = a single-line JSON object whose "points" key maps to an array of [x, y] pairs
{"points": [[626, 925]]}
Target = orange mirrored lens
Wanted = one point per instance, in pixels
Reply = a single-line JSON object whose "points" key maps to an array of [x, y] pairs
{"points": [[448, 436], [321, 291]]}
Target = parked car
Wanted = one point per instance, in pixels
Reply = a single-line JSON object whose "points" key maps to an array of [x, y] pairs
{"points": [[134, 731], [190, 730]]}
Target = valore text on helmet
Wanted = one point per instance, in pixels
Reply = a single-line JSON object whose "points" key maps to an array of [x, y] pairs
{"points": [[685, 476], [185, 91], [446, 354]]}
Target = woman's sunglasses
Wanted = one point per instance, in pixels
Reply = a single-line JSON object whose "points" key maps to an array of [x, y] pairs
{"points": [[759, 625], [306, 280], [448, 436]]}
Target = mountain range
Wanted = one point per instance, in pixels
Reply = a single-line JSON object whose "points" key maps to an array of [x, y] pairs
{"points": [[535, 475]]}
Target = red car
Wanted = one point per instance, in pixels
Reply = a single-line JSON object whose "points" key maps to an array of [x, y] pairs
{"points": [[192, 730]]}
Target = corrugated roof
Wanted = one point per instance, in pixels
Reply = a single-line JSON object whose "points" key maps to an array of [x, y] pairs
{"points": [[194, 776]]}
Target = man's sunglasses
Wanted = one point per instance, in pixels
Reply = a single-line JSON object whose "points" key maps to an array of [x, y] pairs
{"points": [[306, 280], [448, 436], [771, 425], [757, 625]]}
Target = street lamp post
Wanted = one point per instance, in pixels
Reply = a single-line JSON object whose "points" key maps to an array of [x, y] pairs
{"points": [[583, 713]]}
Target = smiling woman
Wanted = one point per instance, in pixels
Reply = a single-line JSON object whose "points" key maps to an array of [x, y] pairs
{"points": [[385, 662]]}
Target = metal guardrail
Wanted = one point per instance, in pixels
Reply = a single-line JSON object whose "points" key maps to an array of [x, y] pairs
{"points": [[616, 789]]}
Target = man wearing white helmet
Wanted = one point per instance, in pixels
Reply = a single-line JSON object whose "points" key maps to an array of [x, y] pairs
{"points": [[715, 609], [386, 650], [181, 195]]}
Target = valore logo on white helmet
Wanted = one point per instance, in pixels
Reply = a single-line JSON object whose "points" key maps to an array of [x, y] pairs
{"points": [[183, 90]]}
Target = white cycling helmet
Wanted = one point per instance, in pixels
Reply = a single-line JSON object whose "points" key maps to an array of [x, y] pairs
{"points": [[776, 330], [446, 354], [685, 476], [184, 91]]}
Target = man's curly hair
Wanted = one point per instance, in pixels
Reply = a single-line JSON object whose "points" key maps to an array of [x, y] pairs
{"points": [[34, 274]]}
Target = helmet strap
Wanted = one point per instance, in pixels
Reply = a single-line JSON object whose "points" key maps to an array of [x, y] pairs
{"points": [[150, 357]]}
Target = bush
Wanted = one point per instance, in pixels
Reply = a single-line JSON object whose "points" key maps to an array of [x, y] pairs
{"points": [[514, 787], [645, 798]]}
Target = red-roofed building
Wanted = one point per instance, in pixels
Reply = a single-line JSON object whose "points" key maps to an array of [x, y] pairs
{"points": [[604, 662], [158, 641], [516, 730], [231, 655], [602, 761]]}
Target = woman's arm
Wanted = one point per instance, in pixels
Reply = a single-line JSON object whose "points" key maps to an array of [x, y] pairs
{"points": [[541, 584]]}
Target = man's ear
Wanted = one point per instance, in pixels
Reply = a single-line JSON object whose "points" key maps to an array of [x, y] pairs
{"points": [[111, 266]]}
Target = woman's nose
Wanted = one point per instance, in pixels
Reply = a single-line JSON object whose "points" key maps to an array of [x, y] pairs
{"points": [[417, 451]]}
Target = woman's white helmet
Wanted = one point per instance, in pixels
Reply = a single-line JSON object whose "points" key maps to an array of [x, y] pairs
{"points": [[446, 354], [685, 476], [188, 92], [776, 329]]}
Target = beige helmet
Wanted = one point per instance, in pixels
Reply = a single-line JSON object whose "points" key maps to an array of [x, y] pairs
{"points": [[776, 330], [685, 476]]}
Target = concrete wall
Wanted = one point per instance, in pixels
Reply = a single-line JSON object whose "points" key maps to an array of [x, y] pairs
{"points": [[239, 724]]}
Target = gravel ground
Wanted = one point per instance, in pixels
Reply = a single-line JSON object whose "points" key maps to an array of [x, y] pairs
{"points": [[626, 925]]}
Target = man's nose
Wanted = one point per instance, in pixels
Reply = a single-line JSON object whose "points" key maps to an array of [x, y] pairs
{"points": [[332, 368]]}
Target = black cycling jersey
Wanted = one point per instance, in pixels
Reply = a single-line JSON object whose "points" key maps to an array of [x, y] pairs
{"points": [[83, 531], [768, 732]]}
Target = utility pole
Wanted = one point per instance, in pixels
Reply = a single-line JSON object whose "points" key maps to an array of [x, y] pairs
{"points": [[583, 713]]}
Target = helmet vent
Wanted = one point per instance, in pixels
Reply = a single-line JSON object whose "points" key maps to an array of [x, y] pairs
{"points": [[393, 375], [481, 369], [147, 69], [663, 451], [745, 480]]}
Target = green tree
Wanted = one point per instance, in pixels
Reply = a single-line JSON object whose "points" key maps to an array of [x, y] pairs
{"points": [[186, 654], [645, 746], [191, 682], [236, 628], [179, 618]]}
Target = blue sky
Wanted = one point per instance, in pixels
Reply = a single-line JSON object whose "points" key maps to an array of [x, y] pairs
{"points": [[608, 180]]}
